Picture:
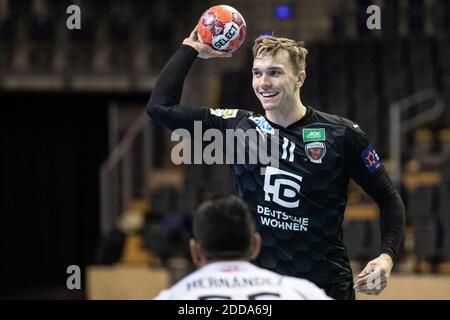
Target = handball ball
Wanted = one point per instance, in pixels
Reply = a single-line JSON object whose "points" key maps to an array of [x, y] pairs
{"points": [[222, 27]]}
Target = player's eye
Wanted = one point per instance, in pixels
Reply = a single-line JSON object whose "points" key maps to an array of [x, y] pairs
{"points": [[256, 73], [275, 73]]}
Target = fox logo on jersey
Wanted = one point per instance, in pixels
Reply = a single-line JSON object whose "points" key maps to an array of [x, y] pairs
{"points": [[315, 151]]}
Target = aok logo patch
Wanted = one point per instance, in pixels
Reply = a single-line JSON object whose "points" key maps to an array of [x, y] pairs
{"points": [[370, 158], [315, 151], [315, 134]]}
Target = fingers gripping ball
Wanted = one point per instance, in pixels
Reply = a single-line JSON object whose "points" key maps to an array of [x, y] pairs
{"points": [[222, 27]]}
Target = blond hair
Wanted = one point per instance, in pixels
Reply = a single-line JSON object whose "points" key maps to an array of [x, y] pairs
{"points": [[269, 45]]}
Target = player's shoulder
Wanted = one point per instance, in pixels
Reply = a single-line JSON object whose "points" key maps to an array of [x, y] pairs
{"points": [[179, 289], [334, 119], [337, 120]]}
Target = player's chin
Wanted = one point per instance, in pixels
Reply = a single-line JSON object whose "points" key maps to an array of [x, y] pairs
{"points": [[269, 106]]}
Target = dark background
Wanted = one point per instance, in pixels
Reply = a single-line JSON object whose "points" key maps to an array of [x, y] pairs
{"points": [[52, 147]]}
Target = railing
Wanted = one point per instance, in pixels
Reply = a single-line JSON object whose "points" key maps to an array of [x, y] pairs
{"points": [[124, 175], [398, 127]]}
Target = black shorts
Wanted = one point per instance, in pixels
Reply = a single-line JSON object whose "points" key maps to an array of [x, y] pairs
{"points": [[340, 290]]}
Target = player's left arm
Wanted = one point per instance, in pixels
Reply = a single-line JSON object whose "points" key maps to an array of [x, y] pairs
{"points": [[365, 167]]}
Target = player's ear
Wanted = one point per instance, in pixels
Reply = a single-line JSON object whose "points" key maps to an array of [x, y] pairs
{"points": [[196, 252], [256, 245], [301, 79]]}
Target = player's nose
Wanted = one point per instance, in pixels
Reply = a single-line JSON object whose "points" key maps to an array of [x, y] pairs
{"points": [[265, 81]]}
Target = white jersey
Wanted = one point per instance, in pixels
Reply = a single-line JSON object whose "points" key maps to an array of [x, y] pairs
{"points": [[240, 280]]}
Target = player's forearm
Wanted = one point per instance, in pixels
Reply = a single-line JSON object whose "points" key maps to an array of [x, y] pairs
{"points": [[392, 214], [392, 224], [169, 87]]}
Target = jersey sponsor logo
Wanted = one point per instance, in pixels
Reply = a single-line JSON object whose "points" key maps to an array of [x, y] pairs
{"points": [[281, 220], [224, 113], [315, 151], [282, 187], [262, 123], [315, 134], [370, 158]]}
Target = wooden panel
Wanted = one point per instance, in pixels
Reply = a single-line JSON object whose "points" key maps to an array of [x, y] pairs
{"points": [[133, 251], [361, 211], [428, 178], [414, 287], [125, 282]]}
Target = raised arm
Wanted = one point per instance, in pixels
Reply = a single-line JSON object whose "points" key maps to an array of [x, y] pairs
{"points": [[163, 105]]}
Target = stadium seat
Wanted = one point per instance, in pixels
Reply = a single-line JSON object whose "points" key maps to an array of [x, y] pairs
{"points": [[20, 8], [390, 18], [7, 34], [7, 29], [393, 69], [110, 247], [365, 67], [357, 238], [311, 89], [367, 115], [444, 142], [445, 251], [416, 16], [421, 203], [421, 64], [374, 247], [121, 46], [423, 143], [42, 36], [165, 199], [444, 201], [81, 46], [426, 239], [440, 11]]}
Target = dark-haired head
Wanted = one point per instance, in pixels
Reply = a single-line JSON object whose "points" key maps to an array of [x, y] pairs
{"points": [[223, 229]]}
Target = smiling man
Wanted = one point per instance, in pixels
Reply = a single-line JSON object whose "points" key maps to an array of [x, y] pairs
{"points": [[298, 205]]}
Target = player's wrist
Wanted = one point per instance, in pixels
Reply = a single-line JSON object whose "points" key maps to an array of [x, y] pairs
{"points": [[388, 259], [190, 43]]}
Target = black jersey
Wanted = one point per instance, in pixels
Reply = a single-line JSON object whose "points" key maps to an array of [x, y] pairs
{"points": [[299, 204]]}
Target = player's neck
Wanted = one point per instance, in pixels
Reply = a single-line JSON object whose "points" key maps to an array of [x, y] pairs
{"points": [[287, 115], [218, 260]]}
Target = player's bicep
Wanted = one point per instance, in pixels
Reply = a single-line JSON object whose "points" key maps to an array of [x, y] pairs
{"points": [[223, 118], [362, 160], [371, 175], [177, 116]]}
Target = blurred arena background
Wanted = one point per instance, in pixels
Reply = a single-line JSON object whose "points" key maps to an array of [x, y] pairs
{"points": [[86, 177]]}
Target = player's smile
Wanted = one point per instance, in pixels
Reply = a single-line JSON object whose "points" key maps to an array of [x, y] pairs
{"points": [[268, 95]]}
